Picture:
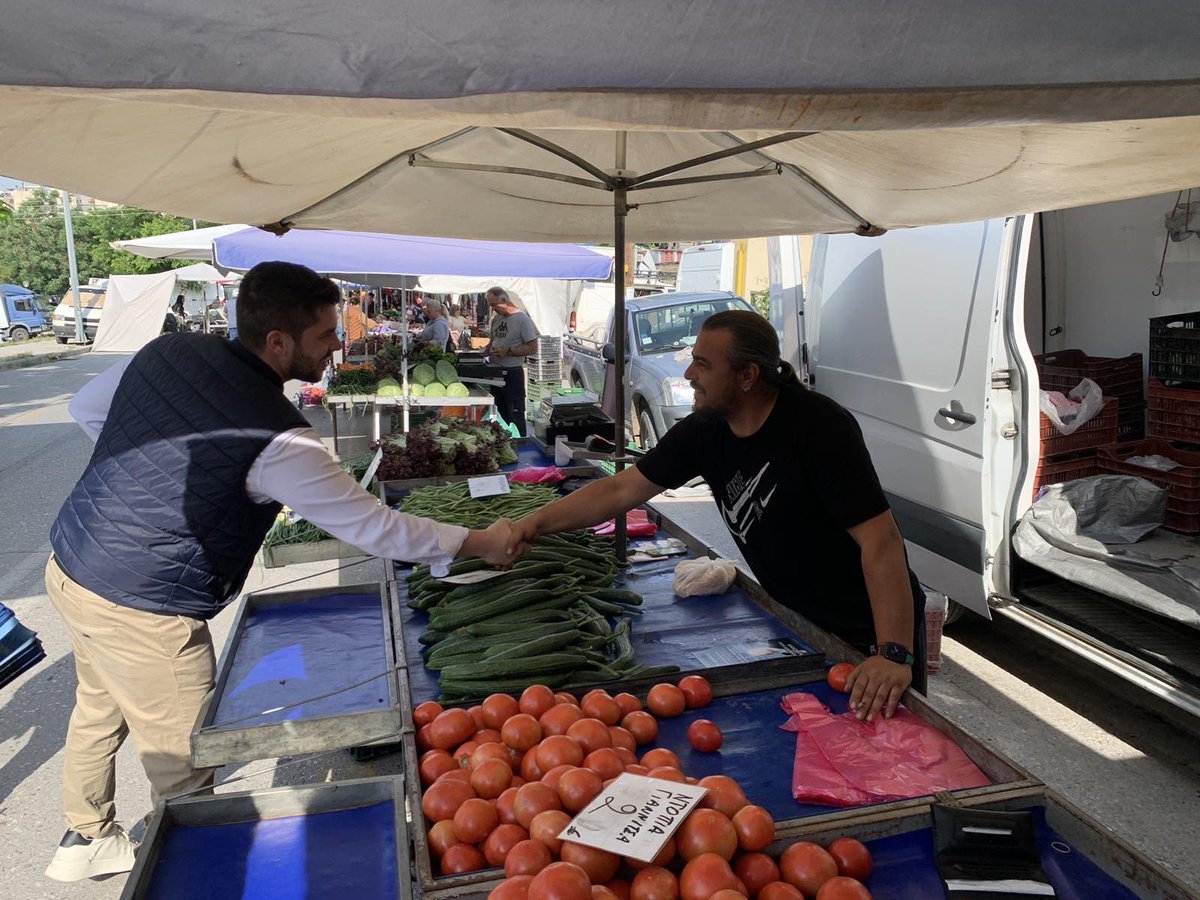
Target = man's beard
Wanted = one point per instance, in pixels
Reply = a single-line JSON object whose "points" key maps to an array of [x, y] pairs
{"points": [[307, 368]]}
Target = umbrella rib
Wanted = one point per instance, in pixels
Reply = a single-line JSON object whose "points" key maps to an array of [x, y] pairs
{"points": [[416, 159], [561, 153], [773, 169], [719, 154]]}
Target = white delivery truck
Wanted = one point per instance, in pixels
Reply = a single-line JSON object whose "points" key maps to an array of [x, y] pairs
{"points": [[929, 337]]}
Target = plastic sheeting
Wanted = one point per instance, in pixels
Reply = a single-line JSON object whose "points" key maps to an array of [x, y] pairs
{"points": [[1094, 532], [846, 762], [136, 305]]}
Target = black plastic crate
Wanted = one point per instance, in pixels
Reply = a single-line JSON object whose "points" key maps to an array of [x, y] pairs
{"points": [[1175, 348]]}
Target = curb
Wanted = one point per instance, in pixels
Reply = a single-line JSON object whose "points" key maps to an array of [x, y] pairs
{"points": [[23, 362]]}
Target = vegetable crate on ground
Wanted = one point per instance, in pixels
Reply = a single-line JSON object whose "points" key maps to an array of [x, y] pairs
{"points": [[345, 839], [1100, 431], [1174, 413], [1182, 483]]}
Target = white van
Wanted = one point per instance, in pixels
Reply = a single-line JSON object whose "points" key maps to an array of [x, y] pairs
{"points": [[928, 336], [708, 267]]}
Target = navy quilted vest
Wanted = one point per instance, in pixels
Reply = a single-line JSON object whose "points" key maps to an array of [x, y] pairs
{"points": [[160, 519]]}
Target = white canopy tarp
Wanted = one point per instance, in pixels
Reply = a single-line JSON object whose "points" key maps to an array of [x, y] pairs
{"points": [[193, 244], [136, 306], [436, 118], [547, 300]]}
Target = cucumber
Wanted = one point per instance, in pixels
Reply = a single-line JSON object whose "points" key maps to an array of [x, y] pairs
{"points": [[535, 646]]}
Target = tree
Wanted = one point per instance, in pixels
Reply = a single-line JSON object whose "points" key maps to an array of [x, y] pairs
{"points": [[33, 243]]}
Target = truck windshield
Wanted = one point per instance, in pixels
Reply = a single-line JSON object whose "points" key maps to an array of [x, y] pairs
{"points": [[676, 327]]}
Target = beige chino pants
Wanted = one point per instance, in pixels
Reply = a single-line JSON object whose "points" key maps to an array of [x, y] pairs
{"points": [[141, 674]]}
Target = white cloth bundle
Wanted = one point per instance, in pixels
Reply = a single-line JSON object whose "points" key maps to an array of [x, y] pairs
{"points": [[703, 576]]}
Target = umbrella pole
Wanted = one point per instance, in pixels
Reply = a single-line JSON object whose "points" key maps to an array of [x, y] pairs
{"points": [[620, 211]]}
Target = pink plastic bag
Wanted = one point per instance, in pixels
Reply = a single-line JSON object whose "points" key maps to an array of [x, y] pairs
{"points": [[638, 524], [841, 761], [538, 475]]}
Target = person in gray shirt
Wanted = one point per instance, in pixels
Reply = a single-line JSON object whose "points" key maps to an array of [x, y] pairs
{"points": [[513, 337], [437, 332]]}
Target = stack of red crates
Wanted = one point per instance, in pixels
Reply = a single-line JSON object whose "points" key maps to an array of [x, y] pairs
{"points": [[1065, 457]]}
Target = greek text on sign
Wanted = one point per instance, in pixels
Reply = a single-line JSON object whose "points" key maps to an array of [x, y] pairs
{"points": [[634, 816]]}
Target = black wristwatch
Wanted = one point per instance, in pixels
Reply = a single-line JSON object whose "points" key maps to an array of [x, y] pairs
{"points": [[896, 653]]}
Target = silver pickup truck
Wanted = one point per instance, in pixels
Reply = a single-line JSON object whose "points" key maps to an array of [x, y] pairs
{"points": [[660, 332]]}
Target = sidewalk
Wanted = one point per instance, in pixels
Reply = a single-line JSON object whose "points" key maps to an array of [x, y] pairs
{"points": [[15, 355]]}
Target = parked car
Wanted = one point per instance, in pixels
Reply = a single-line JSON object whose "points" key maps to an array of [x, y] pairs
{"points": [[20, 315], [91, 300], [660, 331]]}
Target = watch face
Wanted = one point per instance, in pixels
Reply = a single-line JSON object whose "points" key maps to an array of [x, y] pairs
{"points": [[897, 653]]}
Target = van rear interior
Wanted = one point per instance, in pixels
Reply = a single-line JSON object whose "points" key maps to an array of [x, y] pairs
{"points": [[1091, 286]]}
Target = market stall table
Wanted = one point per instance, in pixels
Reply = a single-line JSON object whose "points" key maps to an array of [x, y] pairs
{"points": [[477, 398]]}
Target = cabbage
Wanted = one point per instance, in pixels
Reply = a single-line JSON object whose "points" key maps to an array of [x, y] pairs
{"points": [[435, 389], [389, 390], [386, 382], [424, 374], [446, 373], [416, 390], [457, 389]]}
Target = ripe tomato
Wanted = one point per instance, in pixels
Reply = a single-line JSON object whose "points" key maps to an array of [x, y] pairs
{"points": [[696, 691], [628, 703], [477, 717], [756, 870], [502, 839], [660, 756], [602, 707], [558, 719], [441, 837], [667, 773], [535, 700], [551, 778], [486, 736], [504, 807], [462, 858], [532, 799], [516, 888], [565, 698], [728, 894], [600, 865], [666, 701], [780, 890], [704, 876], [491, 778], [636, 768], [423, 737], [561, 881], [498, 709], [442, 800], [462, 753], [807, 866], [526, 858], [475, 820], [590, 734], [641, 725], [490, 750], [852, 857], [530, 770], [621, 888], [577, 788], [434, 764], [654, 883], [755, 828], [602, 892], [558, 750], [706, 831], [605, 762], [621, 738], [450, 728], [455, 774], [664, 857], [705, 736], [837, 676], [843, 888], [521, 732], [426, 713], [547, 826], [724, 794]]}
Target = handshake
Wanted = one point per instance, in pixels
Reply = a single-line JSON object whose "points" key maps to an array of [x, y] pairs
{"points": [[502, 543]]}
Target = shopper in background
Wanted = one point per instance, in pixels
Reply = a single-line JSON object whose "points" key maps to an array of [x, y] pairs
{"points": [[513, 337], [162, 528], [460, 336], [357, 325], [437, 332]]}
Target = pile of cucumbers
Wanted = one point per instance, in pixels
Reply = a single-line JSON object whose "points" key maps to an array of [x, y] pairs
{"points": [[554, 618]]}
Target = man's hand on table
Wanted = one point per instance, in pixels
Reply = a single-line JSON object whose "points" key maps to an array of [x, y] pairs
{"points": [[877, 684]]}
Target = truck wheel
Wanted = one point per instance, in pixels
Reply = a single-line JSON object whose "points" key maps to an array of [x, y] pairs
{"points": [[18, 333], [954, 612], [647, 434]]}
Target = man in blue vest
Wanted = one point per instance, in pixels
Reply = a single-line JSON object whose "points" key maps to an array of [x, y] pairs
{"points": [[196, 450]]}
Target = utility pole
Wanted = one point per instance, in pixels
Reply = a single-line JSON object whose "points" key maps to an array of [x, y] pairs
{"points": [[80, 333]]}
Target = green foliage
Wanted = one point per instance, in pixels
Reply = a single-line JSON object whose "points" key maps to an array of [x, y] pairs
{"points": [[761, 301], [33, 242]]}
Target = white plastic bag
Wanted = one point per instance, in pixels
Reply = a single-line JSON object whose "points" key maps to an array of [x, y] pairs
{"points": [[1069, 417], [703, 577]]}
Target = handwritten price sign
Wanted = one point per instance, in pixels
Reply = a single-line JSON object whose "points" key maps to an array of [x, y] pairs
{"points": [[634, 816]]}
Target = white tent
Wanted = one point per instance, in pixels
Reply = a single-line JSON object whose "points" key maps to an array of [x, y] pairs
{"points": [[193, 244], [547, 300], [136, 306]]}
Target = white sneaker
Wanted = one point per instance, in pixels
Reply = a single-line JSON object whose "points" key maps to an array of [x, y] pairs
{"points": [[80, 857]]}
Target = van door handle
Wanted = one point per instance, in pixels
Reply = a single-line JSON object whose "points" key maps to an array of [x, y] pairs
{"points": [[957, 415]]}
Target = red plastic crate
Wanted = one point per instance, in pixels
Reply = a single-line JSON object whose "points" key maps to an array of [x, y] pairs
{"points": [[1119, 377], [1063, 469], [1099, 432], [1182, 483], [1174, 413]]}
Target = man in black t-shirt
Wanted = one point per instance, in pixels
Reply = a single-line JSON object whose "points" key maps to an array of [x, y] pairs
{"points": [[796, 487]]}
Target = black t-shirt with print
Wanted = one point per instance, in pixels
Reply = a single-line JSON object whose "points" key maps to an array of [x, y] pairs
{"points": [[788, 494]]}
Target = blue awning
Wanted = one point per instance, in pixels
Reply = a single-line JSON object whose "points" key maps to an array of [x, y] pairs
{"points": [[358, 254]]}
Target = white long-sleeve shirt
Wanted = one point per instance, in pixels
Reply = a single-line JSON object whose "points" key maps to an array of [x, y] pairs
{"points": [[296, 470]]}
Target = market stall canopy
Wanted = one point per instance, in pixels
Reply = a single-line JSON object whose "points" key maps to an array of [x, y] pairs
{"points": [[351, 255], [193, 244], [511, 120], [548, 301], [136, 305]]}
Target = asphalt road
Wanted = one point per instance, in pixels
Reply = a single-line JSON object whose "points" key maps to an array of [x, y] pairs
{"points": [[1119, 763]]}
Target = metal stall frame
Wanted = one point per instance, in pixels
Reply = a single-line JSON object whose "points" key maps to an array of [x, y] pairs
{"points": [[270, 803]]}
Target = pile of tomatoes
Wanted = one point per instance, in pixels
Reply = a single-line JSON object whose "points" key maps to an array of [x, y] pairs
{"points": [[503, 779]]}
